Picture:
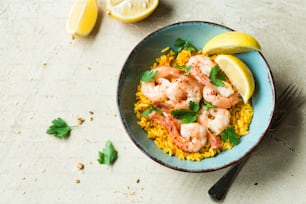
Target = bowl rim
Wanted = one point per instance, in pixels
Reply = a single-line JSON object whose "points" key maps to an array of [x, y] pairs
{"points": [[126, 126]]}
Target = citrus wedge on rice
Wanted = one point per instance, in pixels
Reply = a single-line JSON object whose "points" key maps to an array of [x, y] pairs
{"points": [[82, 18], [238, 73], [230, 43], [130, 11]]}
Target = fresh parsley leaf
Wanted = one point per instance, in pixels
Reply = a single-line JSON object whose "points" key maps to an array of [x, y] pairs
{"points": [[184, 44], [184, 68], [187, 116], [217, 76], [148, 76], [195, 107], [150, 110], [108, 155], [59, 128], [207, 105], [230, 134]]}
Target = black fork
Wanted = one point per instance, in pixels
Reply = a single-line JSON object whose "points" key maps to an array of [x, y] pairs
{"points": [[288, 100]]}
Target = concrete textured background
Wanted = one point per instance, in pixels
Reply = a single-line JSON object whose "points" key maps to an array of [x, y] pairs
{"points": [[45, 74]]}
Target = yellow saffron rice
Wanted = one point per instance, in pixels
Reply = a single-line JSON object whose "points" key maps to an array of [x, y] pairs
{"points": [[241, 116]]}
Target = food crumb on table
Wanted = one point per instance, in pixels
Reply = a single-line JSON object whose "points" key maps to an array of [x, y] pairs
{"points": [[80, 120], [77, 181], [80, 166]]}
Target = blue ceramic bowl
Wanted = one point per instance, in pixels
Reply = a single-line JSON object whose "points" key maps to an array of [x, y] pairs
{"points": [[198, 33]]}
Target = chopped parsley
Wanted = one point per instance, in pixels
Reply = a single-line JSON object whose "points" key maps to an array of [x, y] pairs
{"points": [[148, 76], [108, 155], [230, 135], [184, 44], [59, 128], [217, 76], [187, 115], [184, 68], [207, 105], [150, 110]]}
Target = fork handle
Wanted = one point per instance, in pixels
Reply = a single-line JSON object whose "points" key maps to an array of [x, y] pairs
{"points": [[219, 189]]}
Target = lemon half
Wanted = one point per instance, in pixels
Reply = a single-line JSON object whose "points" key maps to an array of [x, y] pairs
{"points": [[238, 73], [231, 43], [82, 18], [130, 11]]}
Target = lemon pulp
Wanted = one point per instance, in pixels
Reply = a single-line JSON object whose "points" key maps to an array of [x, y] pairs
{"points": [[131, 10], [238, 73]]}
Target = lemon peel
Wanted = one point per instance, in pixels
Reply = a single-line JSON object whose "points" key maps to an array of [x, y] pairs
{"points": [[82, 18], [230, 43]]}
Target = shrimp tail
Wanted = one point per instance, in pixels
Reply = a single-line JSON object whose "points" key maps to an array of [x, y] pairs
{"points": [[214, 140]]}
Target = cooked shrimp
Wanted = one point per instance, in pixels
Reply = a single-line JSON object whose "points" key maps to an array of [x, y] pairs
{"points": [[200, 68], [192, 137], [166, 72], [189, 137], [219, 121], [183, 90], [214, 96], [214, 140], [216, 119], [156, 89]]}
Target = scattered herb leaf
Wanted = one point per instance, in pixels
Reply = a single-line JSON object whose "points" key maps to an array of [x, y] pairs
{"points": [[184, 68], [187, 115], [207, 105], [217, 76], [230, 134], [108, 155], [59, 128], [148, 76], [150, 110], [184, 44]]}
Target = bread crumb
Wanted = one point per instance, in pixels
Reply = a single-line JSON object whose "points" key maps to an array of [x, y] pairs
{"points": [[80, 120], [138, 180], [91, 118], [77, 181], [80, 166], [91, 112]]}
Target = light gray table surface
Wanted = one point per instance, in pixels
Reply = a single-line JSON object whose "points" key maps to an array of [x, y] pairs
{"points": [[45, 74]]}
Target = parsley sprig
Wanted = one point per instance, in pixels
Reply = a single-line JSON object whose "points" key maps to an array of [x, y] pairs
{"points": [[150, 110], [187, 115], [230, 135], [148, 76], [184, 68], [108, 155], [207, 105], [59, 128], [184, 44], [217, 76]]}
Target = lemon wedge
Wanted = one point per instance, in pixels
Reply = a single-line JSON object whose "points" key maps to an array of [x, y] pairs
{"points": [[239, 75], [230, 43], [82, 18], [130, 11]]}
